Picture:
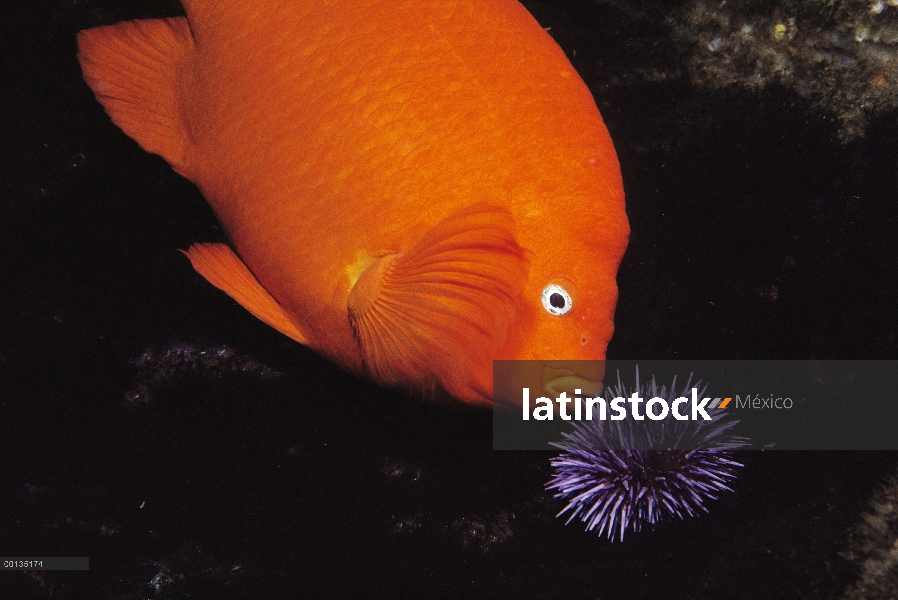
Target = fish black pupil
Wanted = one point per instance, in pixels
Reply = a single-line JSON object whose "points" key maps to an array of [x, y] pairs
{"points": [[556, 300]]}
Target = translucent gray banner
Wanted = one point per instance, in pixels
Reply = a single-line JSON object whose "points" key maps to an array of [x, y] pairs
{"points": [[751, 404]]}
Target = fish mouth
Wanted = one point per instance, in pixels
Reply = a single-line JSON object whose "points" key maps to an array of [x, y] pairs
{"points": [[574, 377], [548, 378]]}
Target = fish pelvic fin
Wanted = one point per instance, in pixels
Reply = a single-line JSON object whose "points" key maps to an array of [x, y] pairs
{"points": [[134, 69], [438, 313], [224, 269]]}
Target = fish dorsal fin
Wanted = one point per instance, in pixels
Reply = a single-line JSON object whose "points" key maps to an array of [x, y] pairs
{"points": [[438, 313], [225, 270], [134, 69]]}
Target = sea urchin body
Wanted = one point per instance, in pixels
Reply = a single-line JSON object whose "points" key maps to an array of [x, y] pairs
{"points": [[616, 474]]}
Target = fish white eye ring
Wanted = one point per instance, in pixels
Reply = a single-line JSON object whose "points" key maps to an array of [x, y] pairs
{"points": [[556, 300]]}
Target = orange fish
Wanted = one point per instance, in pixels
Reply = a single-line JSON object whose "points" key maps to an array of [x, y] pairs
{"points": [[411, 188]]}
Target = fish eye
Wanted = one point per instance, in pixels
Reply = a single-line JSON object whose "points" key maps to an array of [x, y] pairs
{"points": [[556, 300]]}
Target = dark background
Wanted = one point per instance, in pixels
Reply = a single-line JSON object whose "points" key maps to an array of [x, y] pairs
{"points": [[150, 423]]}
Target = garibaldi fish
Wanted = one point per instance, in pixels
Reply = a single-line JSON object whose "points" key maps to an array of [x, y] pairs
{"points": [[412, 188]]}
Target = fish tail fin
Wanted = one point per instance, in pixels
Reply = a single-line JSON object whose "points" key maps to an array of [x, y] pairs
{"points": [[134, 69], [438, 313]]}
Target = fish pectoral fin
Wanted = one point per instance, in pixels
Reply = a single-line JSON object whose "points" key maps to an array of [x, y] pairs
{"points": [[438, 313], [224, 269], [134, 69]]}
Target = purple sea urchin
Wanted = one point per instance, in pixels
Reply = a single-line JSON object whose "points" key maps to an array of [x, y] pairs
{"points": [[616, 474]]}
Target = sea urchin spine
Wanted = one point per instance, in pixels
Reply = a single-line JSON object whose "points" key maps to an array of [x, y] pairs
{"points": [[616, 474]]}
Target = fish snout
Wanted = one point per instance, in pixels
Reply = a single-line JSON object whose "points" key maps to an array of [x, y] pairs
{"points": [[575, 377], [547, 378]]}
